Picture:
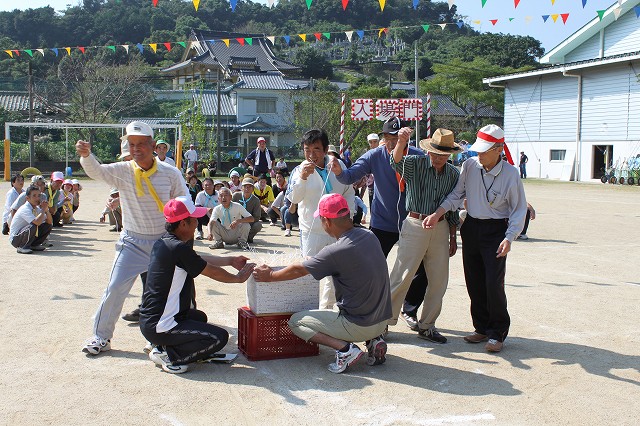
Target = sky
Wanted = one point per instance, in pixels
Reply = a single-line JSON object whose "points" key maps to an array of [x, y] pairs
{"points": [[549, 33]]}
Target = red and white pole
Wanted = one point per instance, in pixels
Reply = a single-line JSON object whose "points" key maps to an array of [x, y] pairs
{"points": [[428, 115], [342, 124]]}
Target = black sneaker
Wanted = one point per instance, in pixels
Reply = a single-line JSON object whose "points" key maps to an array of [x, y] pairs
{"points": [[412, 321], [133, 316], [5, 229], [432, 335]]}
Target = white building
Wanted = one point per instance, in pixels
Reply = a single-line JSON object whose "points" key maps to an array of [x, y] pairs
{"points": [[580, 114]]}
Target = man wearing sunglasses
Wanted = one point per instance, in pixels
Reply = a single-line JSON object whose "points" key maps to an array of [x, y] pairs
{"points": [[496, 209]]}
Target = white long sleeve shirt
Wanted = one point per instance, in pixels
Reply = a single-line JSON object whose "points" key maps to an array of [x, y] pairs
{"points": [[139, 214], [307, 194], [496, 194], [12, 196]]}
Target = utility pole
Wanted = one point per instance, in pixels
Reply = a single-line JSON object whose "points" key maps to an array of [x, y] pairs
{"points": [[32, 149], [218, 160]]}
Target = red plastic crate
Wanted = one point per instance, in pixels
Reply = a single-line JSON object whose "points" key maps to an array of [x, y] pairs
{"points": [[269, 337]]}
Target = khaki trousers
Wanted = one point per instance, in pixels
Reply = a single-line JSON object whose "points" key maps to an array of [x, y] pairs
{"points": [[307, 324], [229, 236], [431, 247]]}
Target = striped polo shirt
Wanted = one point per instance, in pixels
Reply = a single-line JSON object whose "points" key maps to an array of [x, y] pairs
{"points": [[426, 190], [139, 214]]}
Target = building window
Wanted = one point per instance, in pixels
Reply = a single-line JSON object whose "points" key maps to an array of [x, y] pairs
{"points": [[265, 106], [557, 154]]}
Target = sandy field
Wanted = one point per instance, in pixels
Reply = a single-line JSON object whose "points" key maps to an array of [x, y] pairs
{"points": [[573, 355]]}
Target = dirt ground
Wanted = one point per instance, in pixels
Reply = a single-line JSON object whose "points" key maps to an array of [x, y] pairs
{"points": [[573, 355]]}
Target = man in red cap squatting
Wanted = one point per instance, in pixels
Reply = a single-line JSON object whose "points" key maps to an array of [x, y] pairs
{"points": [[145, 185], [361, 279], [496, 208], [168, 315]]}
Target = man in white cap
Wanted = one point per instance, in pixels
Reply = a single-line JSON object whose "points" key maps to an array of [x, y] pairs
{"points": [[52, 192], [235, 185], [192, 158], [261, 159], [162, 147], [145, 185], [429, 179], [496, 210]]}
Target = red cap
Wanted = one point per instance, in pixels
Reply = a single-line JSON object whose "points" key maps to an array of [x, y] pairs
{"points": [[181, 208], [332, 206]]}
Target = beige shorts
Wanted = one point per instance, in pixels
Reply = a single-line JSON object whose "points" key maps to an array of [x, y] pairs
{"points": [[307, 324]]}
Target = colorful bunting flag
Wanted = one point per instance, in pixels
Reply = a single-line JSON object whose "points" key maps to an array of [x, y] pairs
{"points": [[442, 26], [153, 46], [226, 41], [41, 51], [415, 4], [451, 2], [10, 53], [287, 39], [112, 48], [308, 4], [545, 17], [528, 19], [477, 22], [155, 3], [616, 12], [637, 10], [516, 3], [168, 46], [55, 50], [303, 37], [29, 52], [233, 4], [126, 47], [484, 2], [600, 13], [425, 28], [346, 2], [564, 17], [249, 40], [360, 34], [327, 35], [382, 3], [553, 2], [139, 46], [183, 44], [68, 49], [459, 24], [382, 30], [493, 21], [349, 34], [555, 17], [240, 40], [318, 36], [196, 3], [584, 3], [17, 52], [80, 48], [272, 39]]}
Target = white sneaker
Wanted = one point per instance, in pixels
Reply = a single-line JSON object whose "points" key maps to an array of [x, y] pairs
{"points": [[148, 348], [523, 237], [198, 235], [287, 233], [24, 250], [161, 359], [95, 345], [376, 351], [243, 245], [345, 359]]}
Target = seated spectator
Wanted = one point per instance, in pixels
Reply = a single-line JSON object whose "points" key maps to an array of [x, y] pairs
{"points": [[36, 180], [230, 223], [280, 185], [275, 211], [240, 169], [67, 205], [194, 187], [217, 185], [289, 214], [234, 184], [281, 166], [76, 194], [265, 195], [191, 172], [113, 211], [31, 224], [360, 218], [52, 191], [207, 198], [359, 270], [251, 203], [17, 183], [178, 330]]}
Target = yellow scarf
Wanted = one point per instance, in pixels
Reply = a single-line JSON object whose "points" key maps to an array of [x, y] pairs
{"points": [[140, 174]]}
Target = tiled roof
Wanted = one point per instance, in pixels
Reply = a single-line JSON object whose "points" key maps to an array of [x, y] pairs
{"points": [[210, 104], [259, 125], [264, 80], [259, 51], [204, 59], [17, 101]]}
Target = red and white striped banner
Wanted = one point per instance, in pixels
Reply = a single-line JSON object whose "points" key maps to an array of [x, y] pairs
{"points": [[342, 124], [428, 116], [361, 109]]}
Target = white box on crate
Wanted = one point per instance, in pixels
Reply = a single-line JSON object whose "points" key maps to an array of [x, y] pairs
{"points": [[282, 296]]}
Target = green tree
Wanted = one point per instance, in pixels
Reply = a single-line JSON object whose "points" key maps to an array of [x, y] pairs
{"points": [[313, 63], [462, 83]]}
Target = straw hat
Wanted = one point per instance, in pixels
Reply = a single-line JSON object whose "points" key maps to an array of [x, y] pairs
{"points": [[442, 142]]}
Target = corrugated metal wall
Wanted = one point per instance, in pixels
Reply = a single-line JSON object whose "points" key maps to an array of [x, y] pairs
{"points": [[622, 36]]}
